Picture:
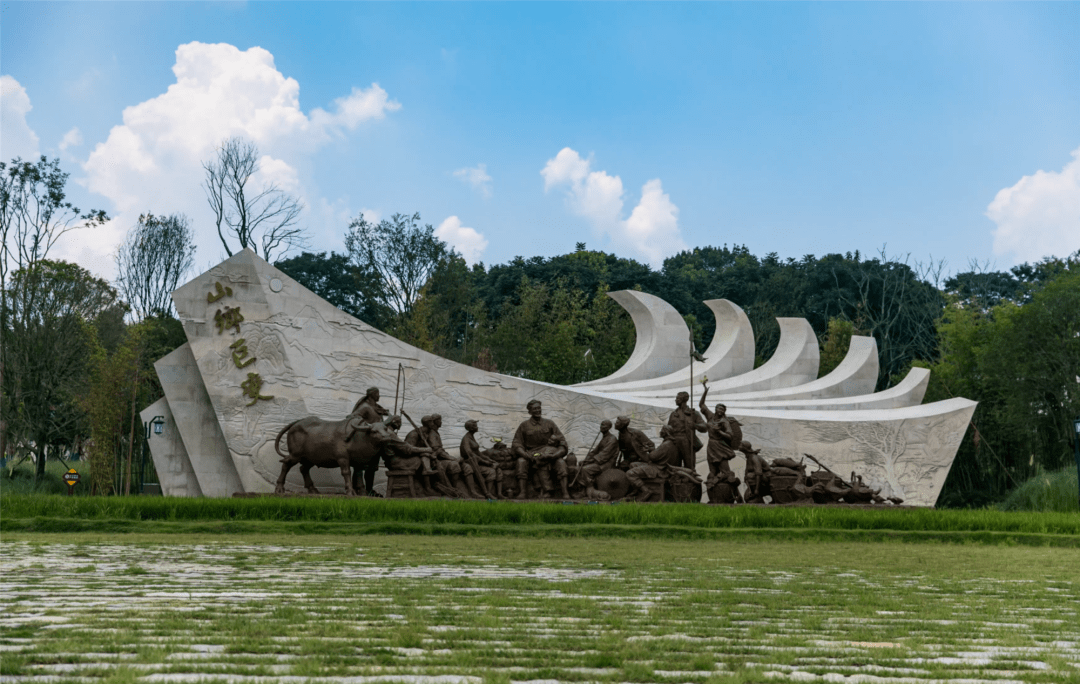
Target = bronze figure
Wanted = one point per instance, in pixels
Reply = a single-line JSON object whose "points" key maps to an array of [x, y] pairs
{"points": [[445, 476], [634, 446], [724, 437], [482, 468], [540, 449], [649, 475], [348, 443], [685, 422], [368, 410]]}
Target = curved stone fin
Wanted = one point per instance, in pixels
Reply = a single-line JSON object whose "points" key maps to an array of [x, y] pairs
{"points": [[794, 363], [855, 376], [907, 392], [730, 353], [663, 340]]}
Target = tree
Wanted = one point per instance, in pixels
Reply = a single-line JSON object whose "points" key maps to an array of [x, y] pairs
{"points": [[47, 340], [1019, 361], [356, 291], [34, 214], [403, 253], [836, 344], [558, 333], [885, 297], [260, 219], [154, 256]]}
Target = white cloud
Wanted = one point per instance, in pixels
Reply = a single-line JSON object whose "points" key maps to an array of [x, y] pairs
{"points": [[1040, 215], [654, 224], [153, 160], [16, 137], [354, 109], [652, 231], [72, 138], [478, 178], [371, 215], [470, 243]]}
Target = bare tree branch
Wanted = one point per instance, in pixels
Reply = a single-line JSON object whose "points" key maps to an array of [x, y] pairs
{"points": [[263, 220]]}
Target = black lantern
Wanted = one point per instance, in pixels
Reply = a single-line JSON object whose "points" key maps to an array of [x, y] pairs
{"points": [[1076, 450], [159, 424]]}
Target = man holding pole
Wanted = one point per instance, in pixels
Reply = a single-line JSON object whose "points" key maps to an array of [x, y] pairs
{"points": [[684, 422]]}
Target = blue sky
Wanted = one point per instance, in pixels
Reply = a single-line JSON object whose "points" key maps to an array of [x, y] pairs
{"points": [[940, 130]]}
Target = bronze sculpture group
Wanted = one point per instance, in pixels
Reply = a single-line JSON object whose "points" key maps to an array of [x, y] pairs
{"points": [[538, 464]]}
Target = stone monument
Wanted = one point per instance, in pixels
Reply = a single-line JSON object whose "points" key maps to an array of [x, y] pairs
{"points": [[264, 352]]}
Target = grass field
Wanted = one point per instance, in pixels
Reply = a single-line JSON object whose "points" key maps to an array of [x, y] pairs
{"points": [[468, 610], [351, 516]]}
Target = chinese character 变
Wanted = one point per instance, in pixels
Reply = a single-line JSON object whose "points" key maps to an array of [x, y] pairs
{"points": [[241, 351], [251, 388], [221, 292], [230, 318]]}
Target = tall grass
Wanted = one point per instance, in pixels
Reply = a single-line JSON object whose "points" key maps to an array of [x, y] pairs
{"points": [[20, 479], [480, 513], [1056, 491]]}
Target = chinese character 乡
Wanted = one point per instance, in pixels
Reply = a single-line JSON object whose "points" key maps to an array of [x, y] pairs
{"points": [[230, 318], [241, 351], [251, 388]]}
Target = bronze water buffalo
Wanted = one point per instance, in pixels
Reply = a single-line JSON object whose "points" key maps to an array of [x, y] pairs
{"points": [[348, 443]]}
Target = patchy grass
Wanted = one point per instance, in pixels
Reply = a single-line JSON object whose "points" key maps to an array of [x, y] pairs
{"points": [[515, 609]]}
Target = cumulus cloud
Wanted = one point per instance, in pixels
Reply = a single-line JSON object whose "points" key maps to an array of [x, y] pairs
{"points": [[17, 139], [153, 160], [478, 178], [72, 138], [1040, 215], [470, 243], [652, 230]]}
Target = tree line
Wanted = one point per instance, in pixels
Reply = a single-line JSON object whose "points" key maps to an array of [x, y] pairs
{"points": [[77, 353]]}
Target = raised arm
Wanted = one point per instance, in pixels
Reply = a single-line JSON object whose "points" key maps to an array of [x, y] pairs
{"points": [[701, 404]]}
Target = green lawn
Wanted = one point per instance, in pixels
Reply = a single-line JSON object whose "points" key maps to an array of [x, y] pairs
{"points": [[182, 608]]}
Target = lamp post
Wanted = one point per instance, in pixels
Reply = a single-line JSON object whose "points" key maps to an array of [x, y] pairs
{"points": [[158, 424], [1076, 451]]}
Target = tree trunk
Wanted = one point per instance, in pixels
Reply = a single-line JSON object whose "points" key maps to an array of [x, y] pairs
{"points": [[39, 469]]}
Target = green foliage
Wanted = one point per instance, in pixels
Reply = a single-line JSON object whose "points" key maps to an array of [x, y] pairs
{"points": [[107, 409], [1053, 491], [447, 314], [1019, 362], [836, 344], [400, 252], [556, 334], [19, 478], [48, 339], [884, 297]]}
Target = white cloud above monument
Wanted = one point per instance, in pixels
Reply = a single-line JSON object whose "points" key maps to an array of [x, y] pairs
{"points": [[469, 242], [652, 229], [153, 160], [1039, 216]]}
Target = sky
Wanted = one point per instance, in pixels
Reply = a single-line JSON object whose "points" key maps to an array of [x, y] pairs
{"points": [[933, 131]]}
